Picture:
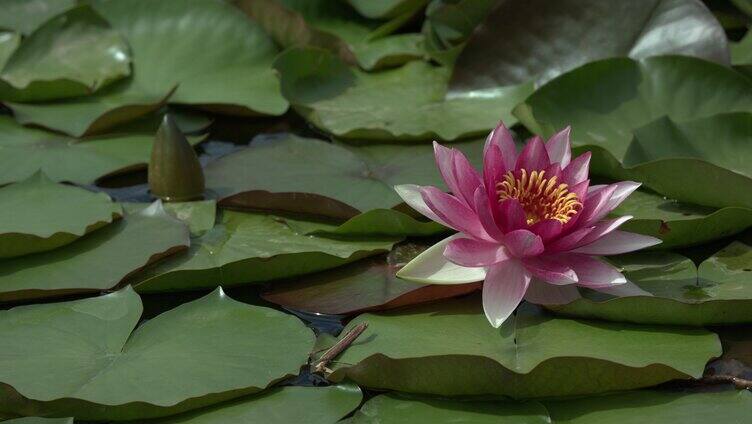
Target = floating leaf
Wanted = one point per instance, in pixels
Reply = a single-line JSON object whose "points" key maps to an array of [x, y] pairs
{"points": [[74, 54], [449, 349], [24, 151], [279, 174], [25, 16], [84, 358], [624, 408], [233, 75], [382, 9], [540, 39], [365, 285], [38, 420], [408, 103], [38, 214], [281, 405], [680, 224], [97, 262], [199, 215], [249, 248], [449, 23], [9, 42], [640, 91]]}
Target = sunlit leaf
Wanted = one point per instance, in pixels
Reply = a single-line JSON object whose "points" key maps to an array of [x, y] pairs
{"points": [[25, 16]]}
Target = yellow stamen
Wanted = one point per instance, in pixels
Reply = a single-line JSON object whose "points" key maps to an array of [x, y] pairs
{"points": [[541, 198]]}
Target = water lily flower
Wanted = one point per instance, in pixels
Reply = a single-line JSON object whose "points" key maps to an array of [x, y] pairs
{"points": [[530, 225]]}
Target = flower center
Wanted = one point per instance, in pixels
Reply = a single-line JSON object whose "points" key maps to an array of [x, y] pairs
{"points": [[541, 198]]}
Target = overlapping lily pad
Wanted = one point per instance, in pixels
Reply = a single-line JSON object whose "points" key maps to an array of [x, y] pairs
{"points": [[408, 103], [38, 214], [623, 408], [9, 42], [303, 175], [233, 75], [97, 262], [717, 292], [381, 9], [198, 215], [250, 248], [101, 367], [540, 39], [24, 151], [282, 405], [74, 54], [24, 16], [640, 91], [449, 23], [449, 349], [39, 420]]}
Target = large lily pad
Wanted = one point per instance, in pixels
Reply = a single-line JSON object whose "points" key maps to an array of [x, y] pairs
{"points": [[24, 16], [250, 248], [24, 151], [198, 215], [408, 103], [86, 357], [640, 91], [38, 214], [719, 292], [9, 42], [97, 262], [540, 39], [381, 9], [74, 54], [449, 23], [624, 408], [282, 405], [278, 173], [39, 420], [233, 75], [680, 224], [449, 349]]}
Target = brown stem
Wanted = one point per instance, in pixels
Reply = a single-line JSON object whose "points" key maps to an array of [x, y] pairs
{"points": [[342, 344], [740, 383]]}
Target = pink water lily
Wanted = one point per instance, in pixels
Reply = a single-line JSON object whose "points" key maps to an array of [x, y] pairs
{"points": [[530, 225]]}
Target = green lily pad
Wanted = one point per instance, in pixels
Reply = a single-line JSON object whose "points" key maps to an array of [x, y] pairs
{"points": [[383, 9], [407, 103], [234, 74], [281, 405], [250, 248], [640, 91], [539, 39], [448, 25], [24, 151], [97, 262], [39, 420], [680, 224], [74, 54], [644, 406], [450, 349], [25, 16], [84, 357], [367, 285], [341, 182], [199, 215], [9, 42], [719, 292], [38, 215]]}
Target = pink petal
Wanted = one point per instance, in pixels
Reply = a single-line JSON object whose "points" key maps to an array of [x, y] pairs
{"points": [[551, 269], [577, 170], [512, 215], [627, 289], [486, 214], [523, 243], [553, 170], [453, 212], [493, 169], [410, 194], [503, 289], [592, 272], [596, 206], [569, 241], [547, 229], [542, 293], [533, 156], [467, 178], [618, 242], [558, 147], [473, 253], [602, 228], [445, 162], [623, 190], [501, 137], [580, 190]]}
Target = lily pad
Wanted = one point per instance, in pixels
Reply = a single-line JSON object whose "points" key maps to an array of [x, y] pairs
{"points": [[9, 42], [24, 151], [367, 285], [250, 248], [680, 224], [74, 54], [85, 357], [406, 104], [640, 91], [531, 355], [39, 420], [281, 405], [199, 215], [539, 39], [38, 215], [97, 262], [25, 16], [234, 74], [278, 173], [624, 408], [717, 293], [448, 25], [382, 9]]}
